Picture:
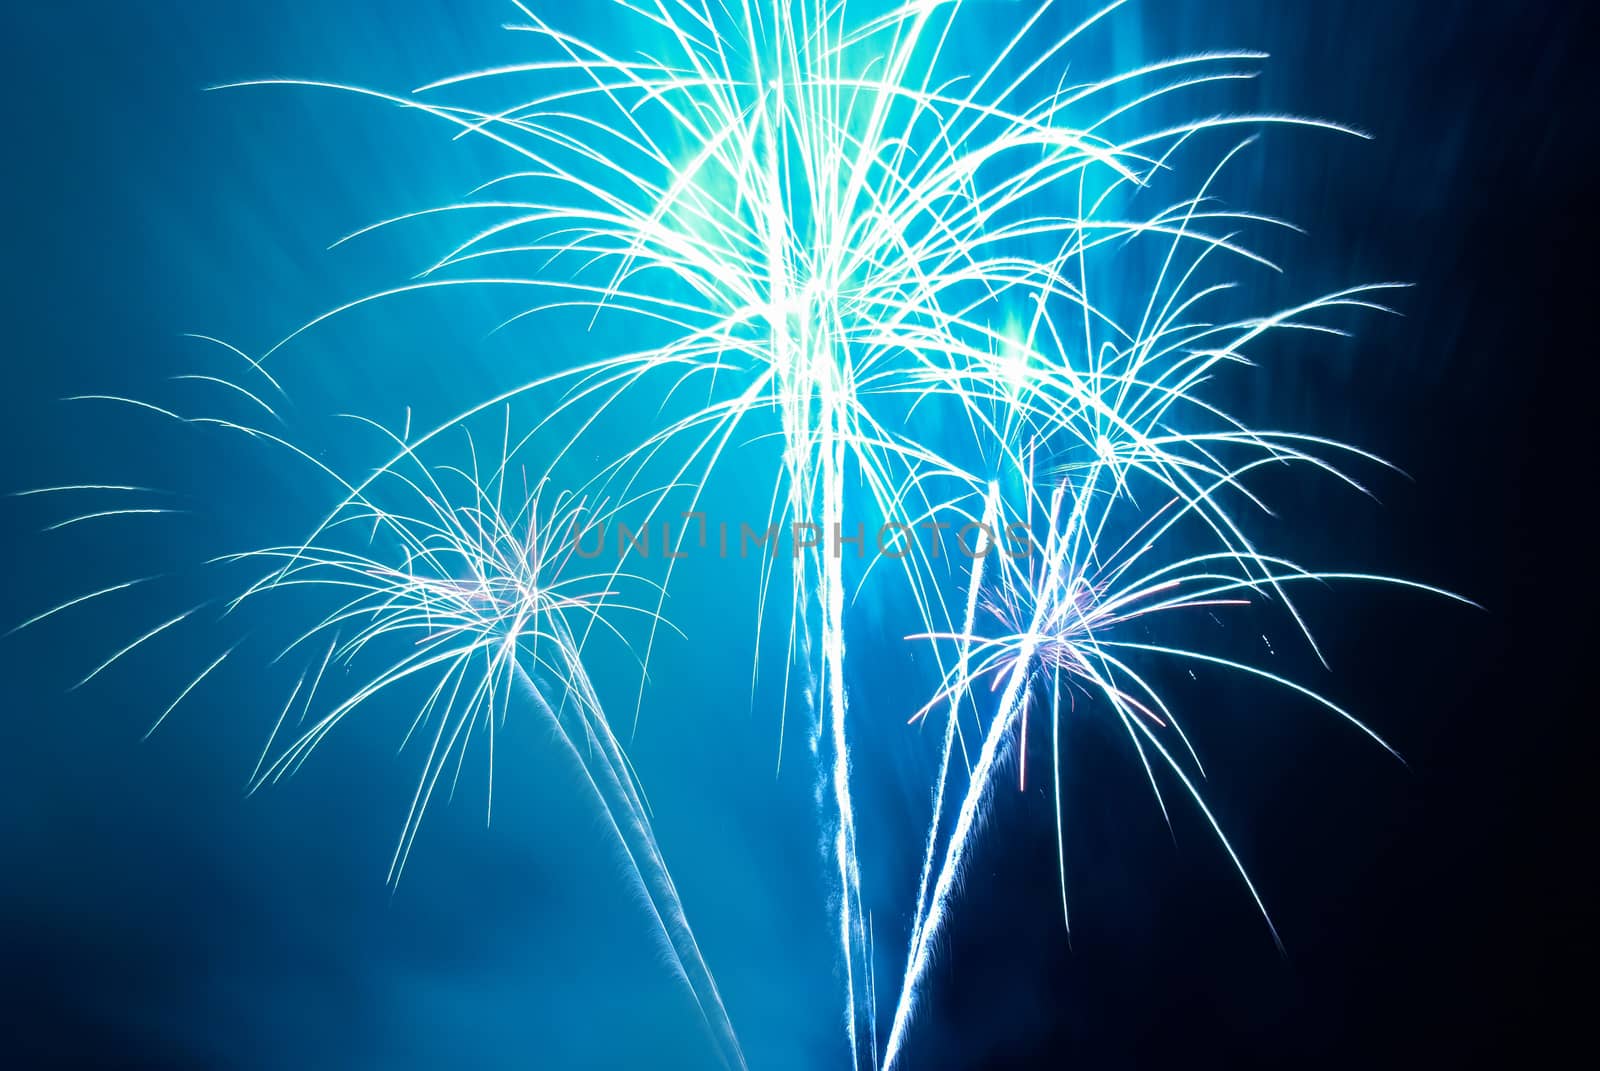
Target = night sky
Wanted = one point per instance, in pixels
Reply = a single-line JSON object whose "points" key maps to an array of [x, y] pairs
{"points": [[153, 916]]}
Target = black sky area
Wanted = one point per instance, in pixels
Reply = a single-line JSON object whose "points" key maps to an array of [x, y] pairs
{"points": [[1430, 911], [1431, 914]]}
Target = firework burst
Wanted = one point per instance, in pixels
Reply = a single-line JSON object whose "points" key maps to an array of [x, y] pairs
{"points": [[461, 584], [1068, 622], [914, 273], [822, 210]]}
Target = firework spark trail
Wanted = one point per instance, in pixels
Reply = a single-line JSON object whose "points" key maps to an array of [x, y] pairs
{"points": [[618, 794], [851, 916], [926, 933], [952, 720]]}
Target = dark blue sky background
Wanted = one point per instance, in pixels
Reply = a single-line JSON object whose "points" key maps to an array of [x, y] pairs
{"points": [[152, 916]]}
